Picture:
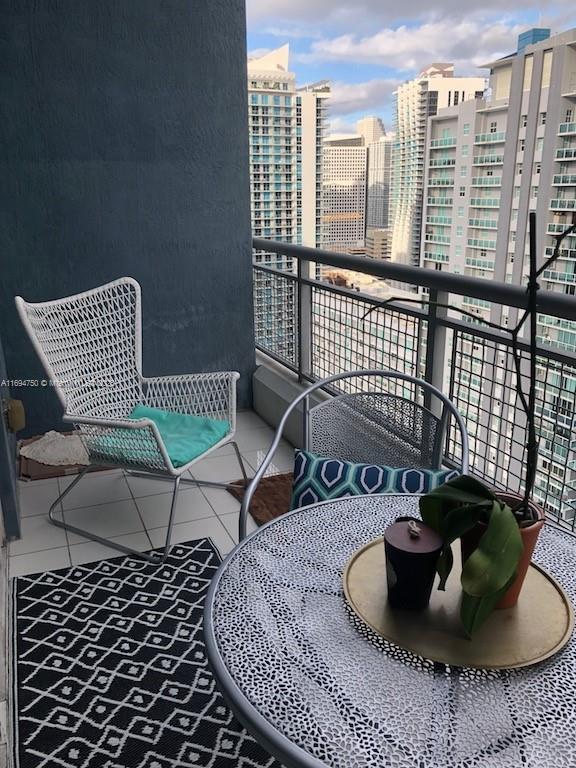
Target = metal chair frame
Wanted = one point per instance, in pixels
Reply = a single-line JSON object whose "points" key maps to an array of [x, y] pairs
{"points": [[446, 411], [90, 346]]}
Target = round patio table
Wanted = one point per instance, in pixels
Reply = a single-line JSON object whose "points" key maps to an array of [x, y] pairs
{"points": [[315, 693]]}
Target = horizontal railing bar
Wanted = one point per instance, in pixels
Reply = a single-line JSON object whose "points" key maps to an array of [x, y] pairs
{"points": [[460, 326], [549, 303]]}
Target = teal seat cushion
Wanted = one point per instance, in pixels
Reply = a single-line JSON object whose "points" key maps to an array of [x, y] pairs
{"points": [[318, 478], [185, 437]]}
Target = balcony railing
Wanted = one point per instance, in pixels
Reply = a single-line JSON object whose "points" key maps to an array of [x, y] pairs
{"points": [[317, 329], [483, 223], [561, 179], [446, 142], [566, 153], [487, 181], [485, 202], [488, 160], [566, 129], [440, 201], [490, 138], [563, 205]]}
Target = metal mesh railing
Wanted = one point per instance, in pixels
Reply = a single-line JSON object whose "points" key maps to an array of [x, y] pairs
{"points": [[319, 329]]}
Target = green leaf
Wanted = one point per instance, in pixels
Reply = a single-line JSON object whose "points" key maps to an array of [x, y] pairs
{"points": [[462, 491], [444, 566], [494, 561], [475, 610]]}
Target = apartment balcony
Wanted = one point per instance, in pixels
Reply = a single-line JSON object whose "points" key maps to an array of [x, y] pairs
{"points": [[445, 161], [444, 221], [567, 129], [488, 160], [490, 138], [559, 204], [563, 278], [555, 229], [566, 153], [441, 182], [440, 201], [436, 256], [435, 237], [439, 143], [487, 181], [483, 223], [564, 253], [475, 242], [564, 180], [485, 202]]}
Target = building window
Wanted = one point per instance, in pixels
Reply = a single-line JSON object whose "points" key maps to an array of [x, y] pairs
{"points": [[465, 150], [493, 127], [539, 143], [462, 191], [459, 231], [463, 170], [542, 118], [460, 211], [537, 167], [519, 169], [568, 118], [466, 128], [524, 121], [456, 96], [521, 145], [458, 250]]}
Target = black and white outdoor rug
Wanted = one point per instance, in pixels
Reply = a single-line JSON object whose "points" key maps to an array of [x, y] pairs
{"points": [[109, 669]]}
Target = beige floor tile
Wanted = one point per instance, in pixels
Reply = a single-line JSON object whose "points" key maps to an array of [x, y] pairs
{"points": [[47, 560], [108, 520], [91, 551]]}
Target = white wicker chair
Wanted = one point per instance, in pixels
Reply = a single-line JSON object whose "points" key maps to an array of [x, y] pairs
{"points": [[90, 346]]}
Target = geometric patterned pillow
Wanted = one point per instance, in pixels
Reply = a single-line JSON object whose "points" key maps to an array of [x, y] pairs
{"points": [[317, 478]]}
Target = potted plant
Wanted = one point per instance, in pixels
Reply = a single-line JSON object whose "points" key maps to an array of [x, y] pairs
{"points": [[498, 530]]}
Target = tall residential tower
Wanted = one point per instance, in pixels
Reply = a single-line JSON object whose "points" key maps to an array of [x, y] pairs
{"points": [[416, 100]]}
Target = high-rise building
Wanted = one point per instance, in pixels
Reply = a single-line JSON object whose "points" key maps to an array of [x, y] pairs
{"points": [[489, 163], [286, 129], [371, 128], [344, 195], [379, 182], [416, 100]]}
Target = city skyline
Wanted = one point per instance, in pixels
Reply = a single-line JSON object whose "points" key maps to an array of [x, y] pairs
{"points": [[367, 51]]}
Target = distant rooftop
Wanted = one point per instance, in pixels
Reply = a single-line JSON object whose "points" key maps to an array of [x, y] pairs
{"points": [[532, 36]]}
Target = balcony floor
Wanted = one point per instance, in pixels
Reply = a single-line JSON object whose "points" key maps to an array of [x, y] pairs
{"points": [[134, 511]]}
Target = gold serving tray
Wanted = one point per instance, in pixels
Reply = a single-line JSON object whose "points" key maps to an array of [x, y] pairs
{"points": [[536, 628]]}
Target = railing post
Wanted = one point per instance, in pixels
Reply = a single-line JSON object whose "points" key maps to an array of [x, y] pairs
{"points": [[435, 362], [304, 361]]}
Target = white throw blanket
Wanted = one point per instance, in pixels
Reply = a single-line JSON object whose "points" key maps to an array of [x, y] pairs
{"points": [[56, 449]]}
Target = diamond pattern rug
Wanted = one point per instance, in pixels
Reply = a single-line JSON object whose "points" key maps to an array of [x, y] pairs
{"points": [[109, 668]]}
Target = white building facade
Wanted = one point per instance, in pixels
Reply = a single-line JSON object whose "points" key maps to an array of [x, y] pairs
{"points": [[417, 100], [489, 163]]}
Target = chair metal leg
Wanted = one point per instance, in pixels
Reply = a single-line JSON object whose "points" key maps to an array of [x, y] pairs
{"points": [[157, 559], [214, 484]]}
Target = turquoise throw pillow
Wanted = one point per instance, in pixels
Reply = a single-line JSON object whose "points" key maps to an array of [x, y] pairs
{"points": [[185, 436], [317, 478]]}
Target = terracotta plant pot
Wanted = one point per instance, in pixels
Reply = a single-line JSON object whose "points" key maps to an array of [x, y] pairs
{"points": [[529, 535]]}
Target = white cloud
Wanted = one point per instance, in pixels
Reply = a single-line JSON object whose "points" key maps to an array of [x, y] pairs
{"points": [[468, 44], [366, 13], [288, 32], [371, 96]]}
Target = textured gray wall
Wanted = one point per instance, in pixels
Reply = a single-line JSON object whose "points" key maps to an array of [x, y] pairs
{"points": [[124, 151]]}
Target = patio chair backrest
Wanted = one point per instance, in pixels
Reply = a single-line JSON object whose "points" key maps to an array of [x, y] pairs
{"points": [[378, 428], [90, 347], [373, 417]]}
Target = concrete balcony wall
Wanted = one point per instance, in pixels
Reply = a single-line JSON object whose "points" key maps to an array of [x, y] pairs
{"points": [[124, 151]]}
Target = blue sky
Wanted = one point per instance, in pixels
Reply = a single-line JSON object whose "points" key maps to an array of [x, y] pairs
{"points": [[365, 49]]}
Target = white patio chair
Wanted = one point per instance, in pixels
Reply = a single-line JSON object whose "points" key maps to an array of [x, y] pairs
{"points": [[90, 346], [374, 417]]}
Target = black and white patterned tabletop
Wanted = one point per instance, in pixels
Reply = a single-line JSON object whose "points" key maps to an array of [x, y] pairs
{"points": [[285, 640]]}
